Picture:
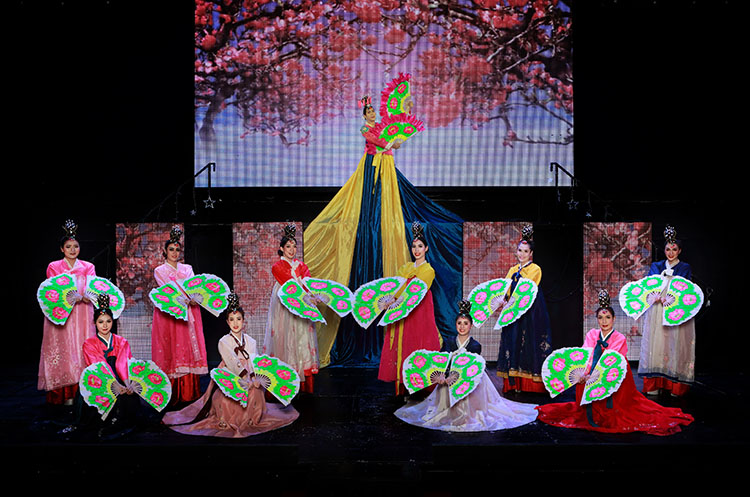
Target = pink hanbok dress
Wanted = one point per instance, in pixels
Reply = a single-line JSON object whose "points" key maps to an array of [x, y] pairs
{"points": [[178, 347], [61, 361], [216, 415]]}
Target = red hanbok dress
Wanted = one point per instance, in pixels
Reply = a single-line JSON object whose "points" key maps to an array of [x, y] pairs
{"points": [[416, 331], [61, 361], [178, 347], [627, 411], [289, 337]]}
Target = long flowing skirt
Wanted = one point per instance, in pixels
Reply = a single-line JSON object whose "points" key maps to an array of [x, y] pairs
{"points": [[483, 410], [291, 338], [216, 415], [628, 411], [178, 347], [416, 331], [667, 351], [523, 347], [61, 359]]}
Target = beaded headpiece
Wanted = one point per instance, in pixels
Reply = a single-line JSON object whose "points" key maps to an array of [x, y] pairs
{"points": [[464, 309], [603, 298], [417, 230], [70, 228], [233, 303], [102, 305], [365, 101], [290, 231], [174, 234], [670, 234], [527, 233]]}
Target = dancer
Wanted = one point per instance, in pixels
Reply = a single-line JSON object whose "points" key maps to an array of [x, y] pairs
{"points": [[361, 235], [178, 347], [626, 410], [61, 361], [417, 330], [525, 343], [215, 414], [288, 337], [667, 359], [483, 410]]}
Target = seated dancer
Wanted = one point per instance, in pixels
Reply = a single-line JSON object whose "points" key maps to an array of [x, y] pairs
{"points": [[216, 415], [626, 410], [483, 410]]}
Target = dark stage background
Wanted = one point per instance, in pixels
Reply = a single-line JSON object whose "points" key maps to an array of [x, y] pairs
{"points": [[101, 131]]}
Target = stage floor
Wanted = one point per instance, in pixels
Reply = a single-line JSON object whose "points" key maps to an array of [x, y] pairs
{"points": [[347, 432]]}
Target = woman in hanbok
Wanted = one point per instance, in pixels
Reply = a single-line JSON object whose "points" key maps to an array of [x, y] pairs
{"points": [[417, 330], [61, 361], [215, 414], [178, 347], [362, 235], [525, 343], [626, 410], [667, 359], [483, 410], [289, 337]]}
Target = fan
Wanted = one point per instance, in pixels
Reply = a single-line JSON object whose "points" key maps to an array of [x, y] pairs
{"points": [[279, 378], [301, 298], [461, 371], [393, 296], [208, 290]]}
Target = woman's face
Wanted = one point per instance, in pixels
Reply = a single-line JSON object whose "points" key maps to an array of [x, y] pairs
{"points": [[418, 249], [104, 324], [173, 252], [605, 319], [289, 249], [235, 321], [672, 251], [463, 326], [370, 114], [523, 253], [70, 249]]}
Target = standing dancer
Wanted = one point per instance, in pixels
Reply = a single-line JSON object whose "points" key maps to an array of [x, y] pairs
{"points": [[288, 337], [626, 410], [178, 347], [417, 330], [525, 343], [667, 359], [61, 361], [483, 410]]}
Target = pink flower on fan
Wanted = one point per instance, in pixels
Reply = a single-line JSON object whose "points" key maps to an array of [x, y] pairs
{"points": [[59, 313], [419, 361], [558, 364], [577, 355], [636, 290], [462, 388], [676, 315], [292, 288], [609, 360], [417, 381], [138, 369], [409, 130], [508, 317], [217, 303], [161, 298], [195, 282], [176, 310], [524, 287], [368, 294], [414, 288], [102, 401], [101, 286], [213, 286], [227, 384], [635, 305], [157, 398], [114, 301], [342, 305], [612, 375], [413, 300], [496, 286], [293, 302], [94, 381], [652, 282], [52, 295], [401, 88], [311, 314], [396, 315], [285, 391], [264, 363], [480, 297], [338, 291], [480, 315], [557, 385], [472, 370], [319, 285], [63, 280], [284, 374], [689, 299], [680, 285], [440, 359], [168, 290], [461, 361], [388, 285], [524, 301], [597, 392], [364, 313], [155, 378]]}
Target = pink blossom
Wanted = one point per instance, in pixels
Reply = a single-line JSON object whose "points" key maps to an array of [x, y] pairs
{"points": [[577, 355], [419, 361], [293, 302], [417, 380], [59, 313], [52, 295], [63, 280], [395, 35], [396, 315], [364, 313], [342, 305], [157, 398], [94, 381], [508, 317], [680, 285], [480, 315], [102, 401], [689, 299], [597, 392], [264, 363], [557, 385], [285, 391], [291, 288], [195, 282], [138, 369], [318, 285], [155, 378], [284, 374], [213, 286], [480, 297], [463, 388], [612, 375], [473, 370], [558, 364], [368, 294], [338, 291]]}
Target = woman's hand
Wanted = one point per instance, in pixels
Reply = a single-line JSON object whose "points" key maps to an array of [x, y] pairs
{"points": [[396, 144]]}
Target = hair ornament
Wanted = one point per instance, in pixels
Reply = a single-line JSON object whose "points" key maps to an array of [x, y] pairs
{"points": [[174, 234], [670, 234], [290, 231], [527, 233], [603, 299], [365, 101], [417, 230], [102, 305], [464, 308], [233, 301], [70, 228]]}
